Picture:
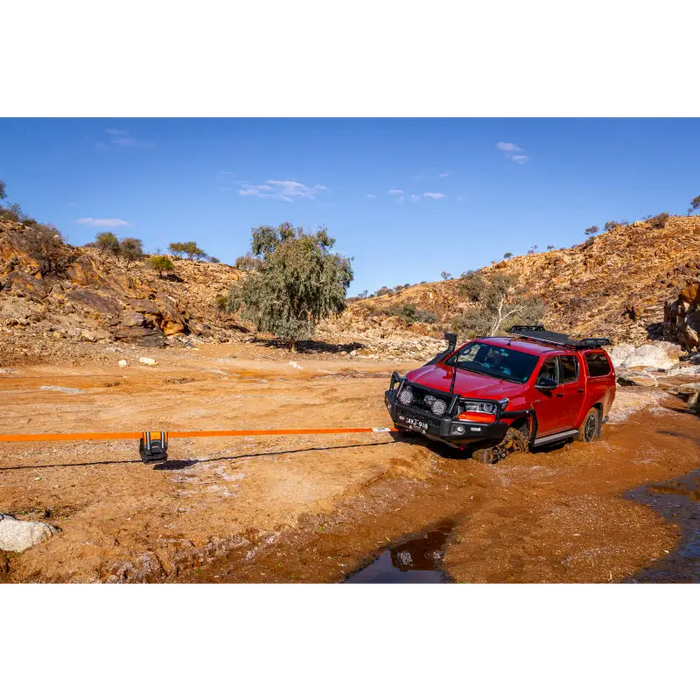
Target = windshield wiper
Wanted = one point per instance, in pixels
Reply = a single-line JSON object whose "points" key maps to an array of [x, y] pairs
{"points": [[476, 371]]}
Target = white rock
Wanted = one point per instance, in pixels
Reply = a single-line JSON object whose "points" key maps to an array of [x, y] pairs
{"points": [[620, 353], [648, 355], [123, 363], [62, 389], [148, 361], [87, 335], [296, 365], [18, 535]]}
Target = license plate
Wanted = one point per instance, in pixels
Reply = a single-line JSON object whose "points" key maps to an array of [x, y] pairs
{"points": [[414, 423]]}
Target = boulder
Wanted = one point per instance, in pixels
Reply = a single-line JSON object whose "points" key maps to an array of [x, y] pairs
{"points": [[649, 356], [132, 318], [139, 335], [144, 306], [123, 363], [172, 327], [628, 378], [149, 361], [23, 284], [18, 535], [95, 302], [167, 306], [620, 353]]}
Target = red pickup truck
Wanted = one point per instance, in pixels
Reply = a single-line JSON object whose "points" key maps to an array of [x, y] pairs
{"points": [[502, 395]]}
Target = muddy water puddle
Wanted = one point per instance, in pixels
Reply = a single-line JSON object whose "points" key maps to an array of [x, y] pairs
{"points": [[678, 500], [417, 559]]}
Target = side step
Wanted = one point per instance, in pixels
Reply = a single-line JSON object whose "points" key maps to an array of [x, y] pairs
{"points": [[553, 438]]}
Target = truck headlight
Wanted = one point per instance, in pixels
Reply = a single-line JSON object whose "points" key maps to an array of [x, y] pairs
{"points": [[438, 407], [406, 396]]}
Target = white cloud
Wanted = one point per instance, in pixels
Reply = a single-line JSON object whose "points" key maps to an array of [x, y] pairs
{"points": [[415, 198], [461, 198], [507, 147], [72, 204], [371, 196], [113, 223], [434, 195], [223, 172], [513, 152], [396, 192], [445, 174], [122, 138], [286, 190], [128, 141], [401, 200]]}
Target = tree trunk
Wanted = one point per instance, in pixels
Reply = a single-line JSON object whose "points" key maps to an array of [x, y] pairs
{"points": [[292, 345]]}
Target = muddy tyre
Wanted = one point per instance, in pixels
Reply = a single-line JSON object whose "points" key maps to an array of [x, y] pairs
{"points": [[590, 428], [515, 440]]}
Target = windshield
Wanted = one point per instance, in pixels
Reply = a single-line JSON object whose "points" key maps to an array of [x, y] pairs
{"points": [[502, 363]]}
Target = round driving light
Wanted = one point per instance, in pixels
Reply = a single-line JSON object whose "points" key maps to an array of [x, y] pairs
{"points": [[438, 407], [406, 397]]}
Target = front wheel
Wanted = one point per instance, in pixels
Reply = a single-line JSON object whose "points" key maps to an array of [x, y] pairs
{"points": [[515, 440], [590, 428]]}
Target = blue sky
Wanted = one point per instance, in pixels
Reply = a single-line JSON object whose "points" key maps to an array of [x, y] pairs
{"points": [[407, 198]]}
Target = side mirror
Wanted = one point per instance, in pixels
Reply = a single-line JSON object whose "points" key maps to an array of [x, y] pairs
{"points": [[546, 383]]}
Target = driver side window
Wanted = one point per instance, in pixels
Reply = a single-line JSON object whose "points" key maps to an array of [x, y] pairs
{"points": [[549, 370]]}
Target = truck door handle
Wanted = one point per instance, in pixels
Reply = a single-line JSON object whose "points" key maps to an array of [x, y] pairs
{"points": [[560, 395], [580, 391]]}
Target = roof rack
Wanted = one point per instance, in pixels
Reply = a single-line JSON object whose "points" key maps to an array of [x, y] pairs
{"points": [[540, 334]]}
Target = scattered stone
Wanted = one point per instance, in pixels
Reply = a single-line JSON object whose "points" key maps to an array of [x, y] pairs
{"points": [[123, 363], [150, 362], [294, 364], [62, 389], [18, 535], [88, 336]]}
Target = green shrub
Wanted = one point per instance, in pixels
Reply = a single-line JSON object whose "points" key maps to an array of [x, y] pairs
{"points": [[299, 282], [658, 221], [161, 264], [107, 242], [130, 249], [410, 313], [247, 263], [188, 248]]}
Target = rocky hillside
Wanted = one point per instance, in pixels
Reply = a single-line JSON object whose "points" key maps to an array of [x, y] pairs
{"points": [[622, 284], [52, 291], [615, 284]]}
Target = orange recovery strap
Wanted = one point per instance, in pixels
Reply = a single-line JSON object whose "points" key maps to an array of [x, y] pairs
{"points": [[50, 437]]}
